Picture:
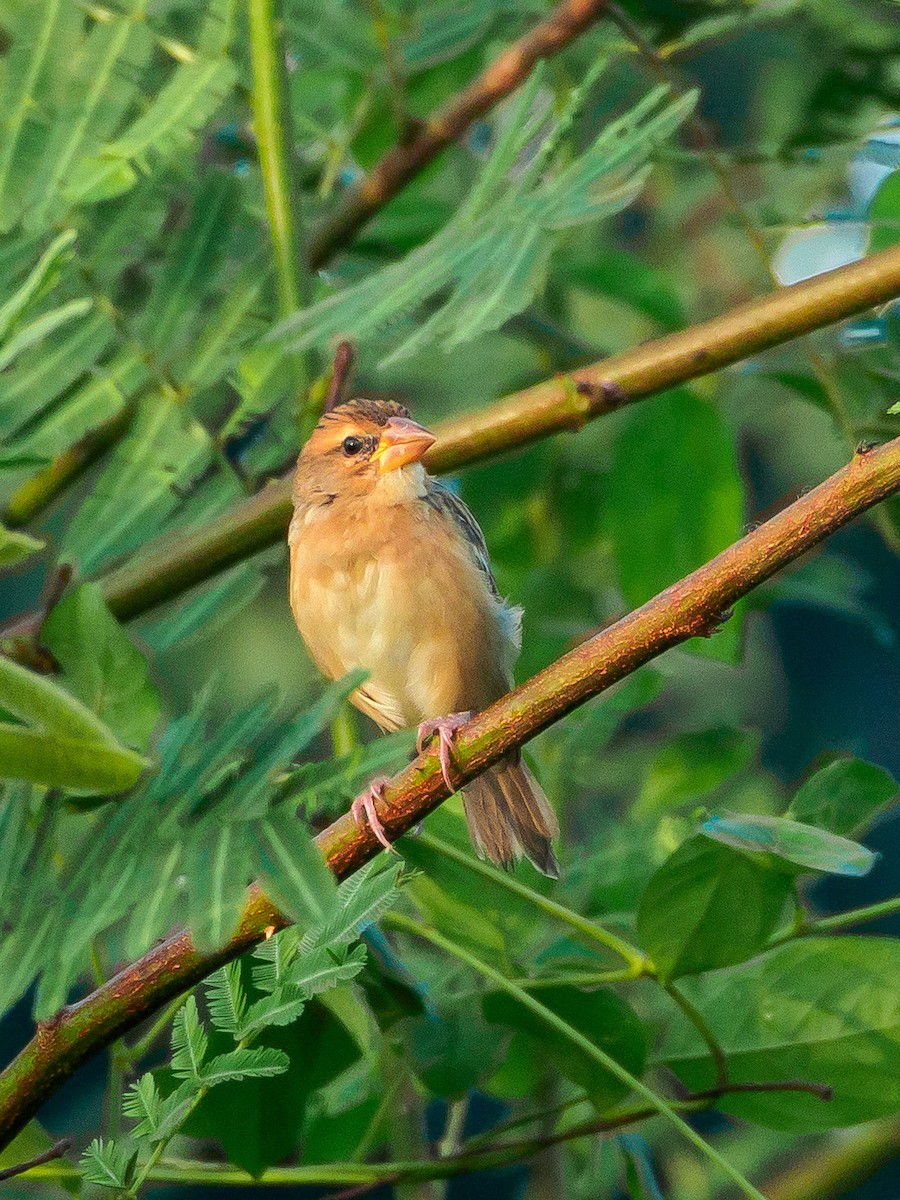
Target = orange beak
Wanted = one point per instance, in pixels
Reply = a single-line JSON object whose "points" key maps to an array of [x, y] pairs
{"points": [[403, 441]]}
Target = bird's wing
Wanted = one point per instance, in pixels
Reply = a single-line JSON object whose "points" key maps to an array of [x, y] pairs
{"points": [[380, 705], [444, 501]]}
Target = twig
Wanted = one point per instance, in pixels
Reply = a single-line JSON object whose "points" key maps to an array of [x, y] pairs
{"points": [[447, 123], [57, 1150], [693, 607], [173, 564]]}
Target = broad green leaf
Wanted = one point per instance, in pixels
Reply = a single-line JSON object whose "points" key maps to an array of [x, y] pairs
{"points": [[884, 214], [691, 766], [454, 1050], [804, 845], [601, 1016], [708, 906], [673, 500], [843, 796], [101, 665], [826, 1011], [17, 547]]}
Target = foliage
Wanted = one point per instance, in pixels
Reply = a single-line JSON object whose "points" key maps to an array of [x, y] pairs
{"points": [[147, 383]]}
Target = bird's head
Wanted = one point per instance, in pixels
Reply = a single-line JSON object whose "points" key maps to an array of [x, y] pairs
{"points": [[363, 448]]}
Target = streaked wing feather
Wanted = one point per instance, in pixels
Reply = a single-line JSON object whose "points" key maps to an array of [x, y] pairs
{"points": [[444, 501]]}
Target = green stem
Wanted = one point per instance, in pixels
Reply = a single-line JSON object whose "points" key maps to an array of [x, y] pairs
{"points": [[638, 963], [838, 923], [697, 1020], [272, 125], [550, 1018]]}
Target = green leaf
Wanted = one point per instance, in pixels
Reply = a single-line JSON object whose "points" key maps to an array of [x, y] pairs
{"points": [[282, 1007], [14, 308], [40, 328], [16, 547], [804, 845], [706, 907], [227, 999], [826, 1011], [189, 1042], [488, 262], [66, 745], [454, 1050], [318, 970], [363, 900], [143, 1103], [261, 1063], [102, 666], [884, 214], [219, 867], [106, 1164], [291, 871], [691, 766], [843, 796], [601, 1016], [673, 500]]}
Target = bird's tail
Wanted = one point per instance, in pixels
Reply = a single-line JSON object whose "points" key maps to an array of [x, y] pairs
{"points": [[509, 815]]}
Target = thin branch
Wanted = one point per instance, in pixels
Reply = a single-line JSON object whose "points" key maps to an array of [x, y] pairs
{"points": [[176, 563], [449, 122], [57, 1150], [341, 375], [837, 923], [693, 607]]}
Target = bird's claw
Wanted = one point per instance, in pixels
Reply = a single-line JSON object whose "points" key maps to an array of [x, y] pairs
{"points": [[445, 728], [364, 812]]}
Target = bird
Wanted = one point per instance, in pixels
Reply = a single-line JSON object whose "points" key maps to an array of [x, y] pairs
{"points": [[389, 572]]}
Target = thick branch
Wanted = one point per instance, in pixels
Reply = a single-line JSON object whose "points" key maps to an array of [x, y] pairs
{"points": [[693, 607], [178, 563], [449, 122]]}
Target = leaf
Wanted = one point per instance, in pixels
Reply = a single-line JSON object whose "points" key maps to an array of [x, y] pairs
{"points": [[706, 907], [261, 1063], [291, 870], [189, 1042], [16, 547], [673, 500], [227, 999], [14, 308], [804, 845], [364, 904], [489, 260], [40, 328], [324, 968], [884, 214], [691, 766], [219, 866], [843, 796], [454, 1050], [601, 1016], [106, 1164], [65, 745], [102, 666], [826, 1010], [143, 1103]]}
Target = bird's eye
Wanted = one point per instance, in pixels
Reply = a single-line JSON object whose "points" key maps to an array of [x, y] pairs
{"points": [[352, 445]]}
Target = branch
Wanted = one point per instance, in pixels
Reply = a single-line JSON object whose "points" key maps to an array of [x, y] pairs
{"points": [[695, 606], [57, 1150], [178, 562], [449, 122]]}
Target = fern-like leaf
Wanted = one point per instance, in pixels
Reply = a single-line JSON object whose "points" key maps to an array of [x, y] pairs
{"points": [[189, 1042], [143, 1103], [227, 1000], [107, 1164], [261, 1063]]}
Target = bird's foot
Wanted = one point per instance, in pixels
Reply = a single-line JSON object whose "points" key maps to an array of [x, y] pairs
{"points": [[363, 810], [445, 728]]}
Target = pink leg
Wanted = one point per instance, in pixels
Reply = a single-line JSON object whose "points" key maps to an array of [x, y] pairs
{"points": [[445, 728], [363, 810]]}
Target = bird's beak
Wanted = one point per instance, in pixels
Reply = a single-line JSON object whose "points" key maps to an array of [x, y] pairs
{"points": [[403, 441]]}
